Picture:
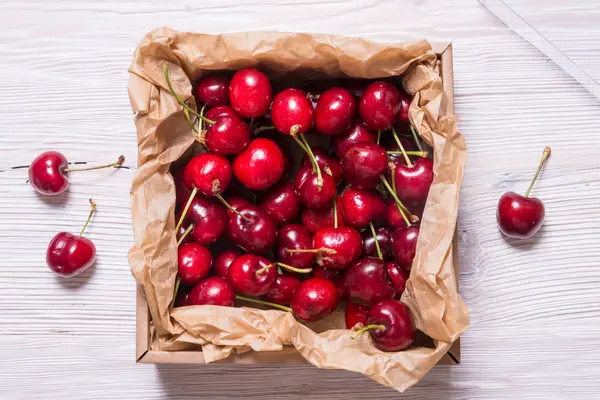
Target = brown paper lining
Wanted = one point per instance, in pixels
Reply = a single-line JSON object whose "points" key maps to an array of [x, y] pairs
{"points": [[164, 136]]}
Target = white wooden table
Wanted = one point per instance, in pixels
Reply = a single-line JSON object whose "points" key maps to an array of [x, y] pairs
{"points": [[535, 305]]}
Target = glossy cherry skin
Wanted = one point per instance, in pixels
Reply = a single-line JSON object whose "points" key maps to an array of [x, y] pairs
{"points": [[363, 164], [335, 111], [399, 331], [294, 237], [281, 203], [342, 247], [384, 238], [393, 216], [213, 90], [360, 207], [210, 173], [220, 111], [314, 299], [329, 165], [398, 275], [292, 109], [244, 276], [413, 183], [379, 105], [368, 281], [250, 93], [213, 290], [317, 218], [282, 290], [519, 216], [355, 313], [69, 255], [46, 173], [255, 235], [260, 166], [333, 276], [193, 263], [186, 223], [404, 245], [309, 193], [405, 100], [209, 218], [357, 133], [229, 135], [223, 262], [236, 202]]}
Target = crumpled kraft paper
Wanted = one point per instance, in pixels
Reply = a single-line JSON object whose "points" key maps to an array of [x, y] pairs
{"points": [[164, 136]]}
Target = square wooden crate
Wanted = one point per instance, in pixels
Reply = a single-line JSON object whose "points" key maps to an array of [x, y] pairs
{"points": [[290, 356]]}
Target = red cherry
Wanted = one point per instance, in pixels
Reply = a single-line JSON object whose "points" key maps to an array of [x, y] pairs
{"points": [[194, 263], [227, 136], [390, 325], [213, 90], [281, 203], [236, 202], [397, 158], [308, 191], [383, 239], [314, 299], [209, 218], [413, 182], [282, 290], [181, 299], [292, 109], [337, 248], [522, 216], [220, 111], [398, 275], [317, 218], [69, 255], [378, 105], [213, 290], [294, 237], [405, 100], [183, 229], [329, 165], [260, 166], [252, 229], [363, 164], [361, 207], [250, 93], [47, 173], [357, 133], [335, 111], [252, 275], [368, 281], [356, 313], [223, 262], [404, 245], [394, 217], [208, 173]]}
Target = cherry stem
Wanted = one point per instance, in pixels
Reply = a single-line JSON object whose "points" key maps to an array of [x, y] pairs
{"points": [[177, 283], [368, 328], [314, 159], [378, 136], [87, 221], [185, 233], [189, 120], [294, 269], [376, 241], [264, 269], [319, 250], [266, 303], [181, 102], [186, 208], [335, 218], [545, 156], [401, 206], [200, 120], [117, 163], [397, 139], [263, 128], [416, 137], [393, 175], [411, 153], [229, 207]]}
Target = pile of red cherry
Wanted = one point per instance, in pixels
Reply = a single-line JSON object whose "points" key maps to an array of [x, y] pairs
{"points": [[341, 225]]}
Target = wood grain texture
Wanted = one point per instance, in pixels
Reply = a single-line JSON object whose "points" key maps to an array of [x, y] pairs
{"points": [[534, 305]]}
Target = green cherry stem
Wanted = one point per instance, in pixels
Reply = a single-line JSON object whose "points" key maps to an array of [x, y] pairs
{"points": [[399, 204], [294, 269], [177, 283], [335, 217], [410, 153], [266, 303], [367, 328], [262, 128], [185, 233], [416, 137], [376, 241], [545, 156], [264, 269], [186, 208], [315, 163], [378, 136], [181, 102], [229, 207], [117, 163], [87, 221], [397, 139]]}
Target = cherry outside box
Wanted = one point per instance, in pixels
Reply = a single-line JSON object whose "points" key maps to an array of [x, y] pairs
{"points": [[144, 354]]}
